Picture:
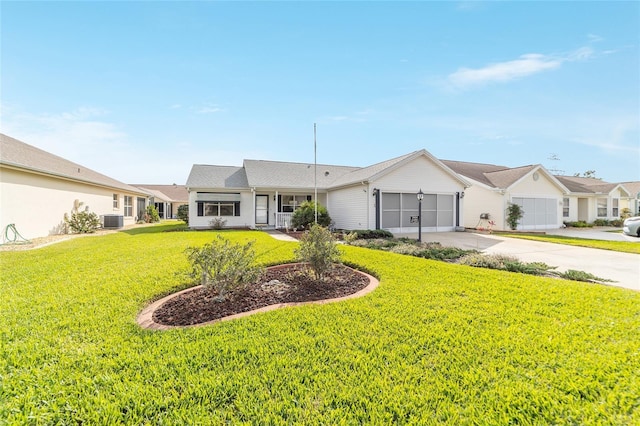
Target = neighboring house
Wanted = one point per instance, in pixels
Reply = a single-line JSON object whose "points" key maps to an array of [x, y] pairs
{"points": [[38, 188], [381, 196], [632, 201], [590, 199], [494, 187], [166, 198]]}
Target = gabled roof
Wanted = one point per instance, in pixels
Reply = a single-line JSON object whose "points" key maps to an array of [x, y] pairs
{"points": [[172, 193], [633, 188], [276, 174], [19, 155], [224, 177], [584, 185], [499, 177]]}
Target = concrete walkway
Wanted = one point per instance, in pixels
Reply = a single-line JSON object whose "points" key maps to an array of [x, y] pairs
{"points": [[623, 268]]}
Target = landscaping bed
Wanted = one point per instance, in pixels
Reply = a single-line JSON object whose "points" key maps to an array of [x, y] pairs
{"points": [[290, 283]]}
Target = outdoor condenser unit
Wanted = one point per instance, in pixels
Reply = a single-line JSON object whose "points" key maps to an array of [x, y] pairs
{"points": [[112, 221]]}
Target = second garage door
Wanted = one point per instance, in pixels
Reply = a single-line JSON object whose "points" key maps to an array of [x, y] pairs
{"points": [[539, 213]]}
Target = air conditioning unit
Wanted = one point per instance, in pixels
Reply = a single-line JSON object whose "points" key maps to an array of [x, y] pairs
{"points": [[112, 221]]}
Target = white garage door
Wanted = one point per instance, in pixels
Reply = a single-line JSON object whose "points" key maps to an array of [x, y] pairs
{"points": [[539, 213]]}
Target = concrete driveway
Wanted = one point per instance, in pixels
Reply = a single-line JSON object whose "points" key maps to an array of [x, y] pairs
{"points": [[623, 268]]}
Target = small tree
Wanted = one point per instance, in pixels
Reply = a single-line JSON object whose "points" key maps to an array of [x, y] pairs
{"points": [[305, 215], [223, 265], [183, 213], [82, 222], [514, 214], [318, 248]]}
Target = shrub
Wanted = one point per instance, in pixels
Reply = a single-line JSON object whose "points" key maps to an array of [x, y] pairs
{"points": [[151, 216], [625, 213], [514, 214], [578, 224], [505, 263], [305, 215], [223, 265], [217, 223], [183, 213], [367, 234], [574, 275], [617, 223], [601, 222], [318, 248], [82, 222]]}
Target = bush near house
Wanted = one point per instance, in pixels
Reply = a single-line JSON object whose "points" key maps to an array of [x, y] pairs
{"points": [[83, 222], [183, 213], [514, 214], [151, 215], [305, 216], [318, 248]]}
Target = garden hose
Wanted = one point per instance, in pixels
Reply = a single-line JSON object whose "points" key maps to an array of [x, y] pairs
{"points": [[13, 239]]}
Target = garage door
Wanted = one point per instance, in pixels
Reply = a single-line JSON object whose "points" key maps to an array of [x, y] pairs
{"points": [[398, 209], [539, 213]]}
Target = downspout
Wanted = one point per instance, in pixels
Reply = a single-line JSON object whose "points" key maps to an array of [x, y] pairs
{"points": [[377, 207]]}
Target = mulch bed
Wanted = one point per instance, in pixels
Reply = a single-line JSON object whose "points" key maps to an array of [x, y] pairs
{"points": [[280, 284]]}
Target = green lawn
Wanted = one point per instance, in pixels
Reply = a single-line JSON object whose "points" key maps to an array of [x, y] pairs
{"points": [[623, 246], [435, 343]]}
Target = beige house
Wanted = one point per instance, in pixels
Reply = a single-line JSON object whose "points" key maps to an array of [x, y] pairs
{"points": [[264, 194], [493, 188], [590, 199], [166, 198], [38, 188]]}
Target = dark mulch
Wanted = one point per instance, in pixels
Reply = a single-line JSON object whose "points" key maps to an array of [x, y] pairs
{"points": [[280, 284]]}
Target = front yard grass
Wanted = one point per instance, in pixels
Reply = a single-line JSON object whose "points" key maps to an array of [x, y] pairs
{"points": [[435, 343], [622, 246]]}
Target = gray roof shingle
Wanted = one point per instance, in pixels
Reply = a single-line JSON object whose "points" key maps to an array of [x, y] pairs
{"points": [[208, 176], [171, 193], [18, 154]]}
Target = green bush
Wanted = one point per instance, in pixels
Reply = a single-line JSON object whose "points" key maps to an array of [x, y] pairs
{"points": [[318, 248], [223, 265], [83, 222], [152, 215], [601, 222], [217, 223], [368, 234], [574, 275], [183, 213], [578, 224], [514, 214], [505, 263], [305, 215]]}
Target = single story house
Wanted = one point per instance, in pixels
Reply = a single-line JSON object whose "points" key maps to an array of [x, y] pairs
{"points": [[38, 188], [166, 198], [493, 188], [380, 196], [632, 202], [590, 199]]}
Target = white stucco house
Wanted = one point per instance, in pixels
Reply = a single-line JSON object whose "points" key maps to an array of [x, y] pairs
{"points": [[494, 187], [166, 198], [37, 188], [381, 196], [590, 199]]}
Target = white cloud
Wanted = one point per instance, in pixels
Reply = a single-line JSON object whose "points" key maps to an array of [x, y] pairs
{"points": [[524, 66], [208, 109]]}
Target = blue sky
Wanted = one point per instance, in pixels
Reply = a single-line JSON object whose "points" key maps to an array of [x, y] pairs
{"points": [[140, 91]]}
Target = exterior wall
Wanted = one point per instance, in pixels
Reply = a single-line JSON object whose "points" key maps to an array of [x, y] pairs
{"points": [[542, 188], [349, 207], [245, 220], [421, 173], [36, 204], [585, 207], [479, 200]]}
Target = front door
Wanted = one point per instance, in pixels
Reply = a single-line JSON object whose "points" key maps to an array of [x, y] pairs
{"points": [[141, 209], [262, 209]]}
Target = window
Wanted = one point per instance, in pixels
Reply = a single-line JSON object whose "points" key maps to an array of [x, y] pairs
{"points": [[565, 207], [115, 201], [614, 208], [290, 203], [128, 206], [218, 208], [602, 207]]}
